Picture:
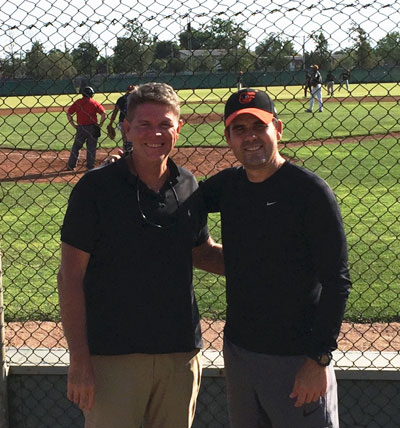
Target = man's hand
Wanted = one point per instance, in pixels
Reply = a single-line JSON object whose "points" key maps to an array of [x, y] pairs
{"points": [[113, 158], [73, 315], [111, 131], [310, 383], [209, 257], [80, 389]]}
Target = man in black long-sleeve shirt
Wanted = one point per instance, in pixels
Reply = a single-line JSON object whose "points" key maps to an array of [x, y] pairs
{"points": [[287, 278]]}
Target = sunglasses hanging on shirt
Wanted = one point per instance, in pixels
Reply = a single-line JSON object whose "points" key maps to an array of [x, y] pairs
{"points": [[146, 216]]}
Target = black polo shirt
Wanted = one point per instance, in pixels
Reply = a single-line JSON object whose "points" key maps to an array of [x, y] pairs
{"points": [[138, 284]]}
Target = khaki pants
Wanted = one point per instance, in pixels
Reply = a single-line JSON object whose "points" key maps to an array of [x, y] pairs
{"points": [[145, 390]]}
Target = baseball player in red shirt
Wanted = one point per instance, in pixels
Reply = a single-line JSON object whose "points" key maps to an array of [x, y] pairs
{"points": [[87, 129]]}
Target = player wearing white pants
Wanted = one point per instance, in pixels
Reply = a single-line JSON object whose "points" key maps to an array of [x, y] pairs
{"points": [[316, 88], [316, 93]]}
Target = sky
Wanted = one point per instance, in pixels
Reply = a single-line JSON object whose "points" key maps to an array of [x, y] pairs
{"points": [[61, 23]]}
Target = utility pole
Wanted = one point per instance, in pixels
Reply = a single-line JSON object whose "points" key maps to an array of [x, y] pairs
{"points": [[189, 31]]}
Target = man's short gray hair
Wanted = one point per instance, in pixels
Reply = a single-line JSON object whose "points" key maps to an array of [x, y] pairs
{"points": [[153, 92]]}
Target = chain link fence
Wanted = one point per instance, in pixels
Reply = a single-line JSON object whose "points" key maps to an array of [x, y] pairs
{"points": [[50, 50]]}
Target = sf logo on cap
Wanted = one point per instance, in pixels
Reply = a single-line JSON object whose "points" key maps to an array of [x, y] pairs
{"points": [[246, 97]]}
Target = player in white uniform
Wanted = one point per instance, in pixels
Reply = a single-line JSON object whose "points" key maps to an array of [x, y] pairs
{"points": [[316, 89]]}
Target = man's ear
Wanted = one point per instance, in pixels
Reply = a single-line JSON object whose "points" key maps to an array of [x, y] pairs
{"points": [[227, 136], [126, 125], [279, 129], [180, 124], [178, 130]]}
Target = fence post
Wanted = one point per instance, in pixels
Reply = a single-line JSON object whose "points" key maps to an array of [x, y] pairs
{"points": [[3, 365]]}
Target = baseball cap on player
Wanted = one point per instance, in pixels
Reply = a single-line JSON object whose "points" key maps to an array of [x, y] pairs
{"points": [[250, 101], [315, 66]]}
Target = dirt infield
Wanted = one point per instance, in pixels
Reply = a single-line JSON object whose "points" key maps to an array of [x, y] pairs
{"points": [[43, 166], [50, 166], [353, 337]]}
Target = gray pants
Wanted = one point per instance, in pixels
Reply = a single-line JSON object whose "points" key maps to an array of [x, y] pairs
{"points": [[259, 385], [84, 133]]}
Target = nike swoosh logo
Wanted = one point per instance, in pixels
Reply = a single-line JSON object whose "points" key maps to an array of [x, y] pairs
{"points": [[271, 203], [306, 413]]}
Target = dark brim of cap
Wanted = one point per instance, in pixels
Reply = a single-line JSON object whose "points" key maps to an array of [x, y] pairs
{"points": [[264, 116]]}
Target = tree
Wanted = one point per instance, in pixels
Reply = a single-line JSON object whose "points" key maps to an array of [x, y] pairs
{"points": [[344, 58], [274, 53], [388, 49], [36, 61], [205, 63], [238, 59], [170, 65], [12, 67], [193, 39], [321, 55], [84, 58], [165, 49], [219, 34], [105, 65], [175, 65], [60, 65], [225, 34], [134, 52], [363, 53]]}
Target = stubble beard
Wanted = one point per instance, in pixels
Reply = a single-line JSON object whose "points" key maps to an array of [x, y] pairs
{"points": [[255, 160]]}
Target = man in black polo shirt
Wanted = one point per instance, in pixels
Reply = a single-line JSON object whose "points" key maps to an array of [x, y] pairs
{"points": [[125, 280], [287, 278]]}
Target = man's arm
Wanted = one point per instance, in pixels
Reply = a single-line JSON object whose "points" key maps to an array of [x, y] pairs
{"points": [[102, 118], [114, 114], [73, 316], [327, 241], [70, 120], [209, 257]]}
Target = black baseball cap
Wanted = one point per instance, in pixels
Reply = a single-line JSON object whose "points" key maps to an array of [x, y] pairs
{"points": [[250, 101]]}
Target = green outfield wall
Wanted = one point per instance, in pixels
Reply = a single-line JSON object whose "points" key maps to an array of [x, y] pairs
{"points": [[119, 83]]}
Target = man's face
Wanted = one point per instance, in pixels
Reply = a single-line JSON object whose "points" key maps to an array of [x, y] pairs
{"points": [[254, 143], [153, 131]]}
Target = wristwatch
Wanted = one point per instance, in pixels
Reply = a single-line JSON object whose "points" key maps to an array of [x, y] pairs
{"points": [[322, 359]]}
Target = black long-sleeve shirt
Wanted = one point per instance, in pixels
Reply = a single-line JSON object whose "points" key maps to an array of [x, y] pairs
{"points": [[287, 279]]}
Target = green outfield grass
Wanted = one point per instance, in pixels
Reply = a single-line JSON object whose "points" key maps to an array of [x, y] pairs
{"points": [[51, 131], [366, 180], [31, 217], [365, 177], [203, 95]]}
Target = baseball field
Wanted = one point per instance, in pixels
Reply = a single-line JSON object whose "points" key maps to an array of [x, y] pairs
{"points": [[353, 144]]}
